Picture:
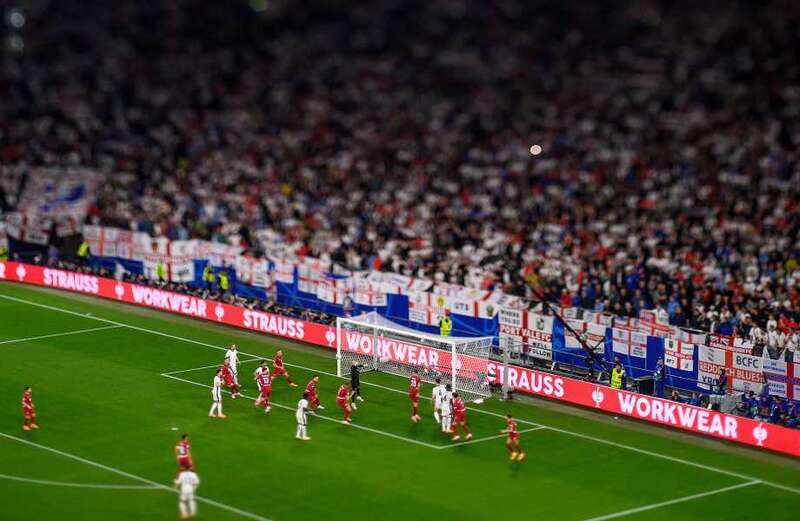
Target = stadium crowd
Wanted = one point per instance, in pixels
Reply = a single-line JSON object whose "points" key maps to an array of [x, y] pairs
{"points": [[395, 136]]}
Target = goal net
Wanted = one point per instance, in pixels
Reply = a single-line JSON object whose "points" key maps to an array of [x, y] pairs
{"points": [[379, 344]]}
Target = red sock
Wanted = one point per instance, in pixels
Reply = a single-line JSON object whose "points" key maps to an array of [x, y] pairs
{"points": [[466, 429], [346, 414], [415, 410]]}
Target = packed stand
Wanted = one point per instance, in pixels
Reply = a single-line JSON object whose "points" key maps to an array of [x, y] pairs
{"points": [[395, 136]]}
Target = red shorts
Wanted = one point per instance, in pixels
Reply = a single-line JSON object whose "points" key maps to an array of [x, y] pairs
{"points": [[185, 462], [342, 403], [459, 417], [413, 396], [28, 412], [279, 371], [266, 391], [513, 436], [229, 381], [313, 398]]}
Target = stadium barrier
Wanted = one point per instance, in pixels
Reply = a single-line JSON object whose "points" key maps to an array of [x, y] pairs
{"points": [[523, 380]]}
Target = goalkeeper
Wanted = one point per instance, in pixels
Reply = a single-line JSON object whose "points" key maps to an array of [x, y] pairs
{"points": [[355, 384]]}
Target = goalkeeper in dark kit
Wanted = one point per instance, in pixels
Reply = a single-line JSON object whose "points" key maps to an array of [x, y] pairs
{"points": [[355, 384]]}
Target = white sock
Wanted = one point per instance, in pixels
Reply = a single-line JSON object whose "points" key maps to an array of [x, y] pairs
{"points": [[299, 432], [436, 416], [184, 508], [305, 435], [192, 507]]}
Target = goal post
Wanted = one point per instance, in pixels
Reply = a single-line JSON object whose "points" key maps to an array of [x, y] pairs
{"points": [[379, 344]]}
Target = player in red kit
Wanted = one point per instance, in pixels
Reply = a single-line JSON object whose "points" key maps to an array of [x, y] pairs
{"points": [[342, 397], [277, 362], [183, 455], [264, 382], [415, 386], [229, 378], [460, 418], [313, 397], [28, 411], [512, 443]]}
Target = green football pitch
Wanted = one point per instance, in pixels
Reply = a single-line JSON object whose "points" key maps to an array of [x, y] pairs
{"points": [[115, 386]]}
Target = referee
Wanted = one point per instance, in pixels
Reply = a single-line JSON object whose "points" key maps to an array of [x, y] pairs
{"points": [[355, 384]]}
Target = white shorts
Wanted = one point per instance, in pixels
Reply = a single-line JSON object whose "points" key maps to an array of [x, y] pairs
{"points": [[186, 496], [437, 406], [216, 395], [301, 419]]}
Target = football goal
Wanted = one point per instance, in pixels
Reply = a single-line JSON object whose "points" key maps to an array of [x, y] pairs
{"points": [[378, 344]]}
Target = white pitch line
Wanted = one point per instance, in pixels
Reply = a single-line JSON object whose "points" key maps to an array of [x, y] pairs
{"points": [[683, 499], [134, 477], [488, 438], [78, 332], [71, 484], [490, 413], [210, 366], [317, 415]]}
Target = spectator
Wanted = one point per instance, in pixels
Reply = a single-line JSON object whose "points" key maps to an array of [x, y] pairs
{"points": [[721, 383], [659, 375], [618, 377]]}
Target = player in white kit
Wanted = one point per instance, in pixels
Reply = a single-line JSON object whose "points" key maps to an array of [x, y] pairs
{"points": [[436, 397], [263, 366], [233, 360], [216, 396], [187, 483], [302, 418], [447, 409]]}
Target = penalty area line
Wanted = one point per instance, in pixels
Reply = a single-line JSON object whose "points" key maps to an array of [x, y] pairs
{"points": [[71, 484], [66, 333], [317, 415], [134, 477], [487, 438], [675, 501]]}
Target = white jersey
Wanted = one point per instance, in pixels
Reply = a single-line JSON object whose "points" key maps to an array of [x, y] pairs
{"points": [[258, 372], [447, 402], [187, 483], [438, 393], [233, 359], [302, 407], [216, 390]]}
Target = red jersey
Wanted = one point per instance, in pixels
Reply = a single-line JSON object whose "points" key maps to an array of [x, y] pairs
{"points": [[458, 406], [311, 388], [511, 426], [264, 379], [278, 361], [341, 395], [27, 401], [182, 449], [415, 384]]}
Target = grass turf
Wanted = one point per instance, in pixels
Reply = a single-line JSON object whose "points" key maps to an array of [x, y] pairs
{"points": [[120, 397]]}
